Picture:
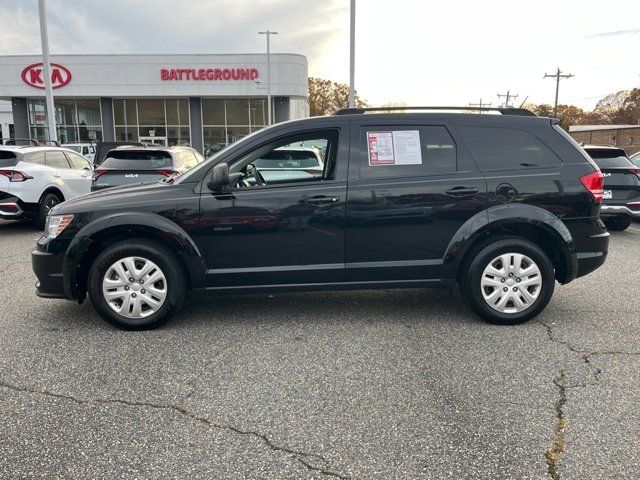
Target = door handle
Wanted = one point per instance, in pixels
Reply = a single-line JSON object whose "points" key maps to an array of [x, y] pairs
{"points": [[319, 200], [462, 191], [57, 175]]}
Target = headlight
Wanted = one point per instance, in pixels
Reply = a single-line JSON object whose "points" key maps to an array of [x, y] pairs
{"points": [[56, 224]]}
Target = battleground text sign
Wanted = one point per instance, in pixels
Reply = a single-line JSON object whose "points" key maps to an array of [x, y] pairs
{"points": [[208, 74]]}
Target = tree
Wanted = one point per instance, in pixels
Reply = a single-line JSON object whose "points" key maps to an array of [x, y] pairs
{"points": [[610, 107], [325, 97], [542, 110], [569, 115]]}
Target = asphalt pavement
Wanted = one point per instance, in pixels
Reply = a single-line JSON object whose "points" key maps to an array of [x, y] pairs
{"points": [[394, 384]]}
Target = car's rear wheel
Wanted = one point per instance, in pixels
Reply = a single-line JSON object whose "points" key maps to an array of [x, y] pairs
{"points": [[509, 281], [46, 203], [137, 284], [617, 224]]}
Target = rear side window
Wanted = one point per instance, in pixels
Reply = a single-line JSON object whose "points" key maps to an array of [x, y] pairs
{"points": [[406, 151], [507, 149], [37, 158], [78, 162], [142, 160], [56, 159], [7, 159], [609, 157]]}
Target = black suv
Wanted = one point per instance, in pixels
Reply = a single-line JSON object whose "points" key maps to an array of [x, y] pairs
{"points": [[504, 205]]}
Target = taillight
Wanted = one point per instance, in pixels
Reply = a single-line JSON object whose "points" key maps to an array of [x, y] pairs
{"points": [[594, 182], [15, 176], [97, 174], [167, 173], [634, 170]]}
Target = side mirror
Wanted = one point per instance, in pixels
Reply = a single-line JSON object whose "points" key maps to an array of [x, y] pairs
{"points": [[219, 178]]}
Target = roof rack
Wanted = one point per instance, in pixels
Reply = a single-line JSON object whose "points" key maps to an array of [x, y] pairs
{"points": [[31, 142], [504, 111], [13, 141]]}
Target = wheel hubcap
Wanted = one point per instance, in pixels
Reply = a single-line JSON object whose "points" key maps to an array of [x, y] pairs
{"points": [[134, 287], [511, 283]]}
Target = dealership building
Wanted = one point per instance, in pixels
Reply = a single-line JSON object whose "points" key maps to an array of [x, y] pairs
{"points": [[206, 101]]}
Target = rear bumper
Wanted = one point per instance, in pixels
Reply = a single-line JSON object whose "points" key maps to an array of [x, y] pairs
{"points": [[48, 270], [591, 245], [629, 210], [12, 208]]}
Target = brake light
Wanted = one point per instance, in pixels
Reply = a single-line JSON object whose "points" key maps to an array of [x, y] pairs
{"points": [[15, 176], [166, 173], [594, 182], [97, 174], [634, 170]]}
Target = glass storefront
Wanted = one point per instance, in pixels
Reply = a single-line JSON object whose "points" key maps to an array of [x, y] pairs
{"points": [[161, 121], [78, 120], [152, 120], [225, 121]]}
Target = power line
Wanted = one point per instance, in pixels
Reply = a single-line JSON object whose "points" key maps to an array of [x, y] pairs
{"points": [[507, 96], [480, 105], [558, 76]]}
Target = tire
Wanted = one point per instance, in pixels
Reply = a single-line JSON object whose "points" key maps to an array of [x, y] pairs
{"points": [[617, 224], [46, 203], [480, 281], [149, 309]]}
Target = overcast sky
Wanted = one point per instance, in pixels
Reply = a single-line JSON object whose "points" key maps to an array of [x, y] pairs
{"points": [[415, 51]]}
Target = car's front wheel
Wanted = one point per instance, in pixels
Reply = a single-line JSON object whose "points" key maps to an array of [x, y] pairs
{"points": [[137, 284], [509, 281], [617, 224]]}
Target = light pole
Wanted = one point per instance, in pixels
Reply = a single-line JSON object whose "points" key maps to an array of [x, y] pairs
{"points": [[352, 55], [46, 68], [268, 33]]}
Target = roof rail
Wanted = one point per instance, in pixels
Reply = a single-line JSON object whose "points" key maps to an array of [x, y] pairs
{"points": [[12, 141], [504, 111]]}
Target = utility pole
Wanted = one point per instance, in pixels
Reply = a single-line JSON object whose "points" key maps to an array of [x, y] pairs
{"points": [[480, 105], [268, 33], [46, 69], [507, 96], [558, 75], [352, 56]]}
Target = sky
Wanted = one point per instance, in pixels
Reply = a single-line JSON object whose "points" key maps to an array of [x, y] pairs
{"points": [[417, 52]]}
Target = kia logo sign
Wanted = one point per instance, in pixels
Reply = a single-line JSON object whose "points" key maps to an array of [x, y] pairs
{"points": [[33, 75]]}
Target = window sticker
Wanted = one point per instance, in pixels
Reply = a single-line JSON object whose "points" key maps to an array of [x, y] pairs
{"points": [[400, 147]]}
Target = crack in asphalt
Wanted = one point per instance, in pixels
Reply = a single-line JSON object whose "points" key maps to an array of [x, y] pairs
{"points": [[553, 453], [302, 457]]}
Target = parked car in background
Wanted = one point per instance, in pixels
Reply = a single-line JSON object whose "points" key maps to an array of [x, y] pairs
{"points": [[35, 179], [621, 196], [87, 150], [129, 165], [291, 163], [505, 205]]}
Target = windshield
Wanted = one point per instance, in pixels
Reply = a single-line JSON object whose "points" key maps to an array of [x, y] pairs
{"points": [[7, 159], [139, 160], [609, 157]]}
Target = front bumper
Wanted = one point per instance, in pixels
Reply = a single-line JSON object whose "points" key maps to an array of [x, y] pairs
{"points": [[629, 209], [48, 268]]}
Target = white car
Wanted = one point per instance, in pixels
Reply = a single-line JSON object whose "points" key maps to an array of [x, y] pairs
{"points": [[35, 179], [87, 150]]}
